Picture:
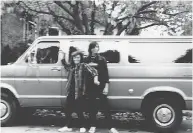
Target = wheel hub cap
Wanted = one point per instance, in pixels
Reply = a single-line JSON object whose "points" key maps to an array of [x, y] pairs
{"points": [[164, 115], [3, 109]]}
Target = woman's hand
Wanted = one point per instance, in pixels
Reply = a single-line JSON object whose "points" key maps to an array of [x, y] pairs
{"points": [[106, 89], [96, 80]]}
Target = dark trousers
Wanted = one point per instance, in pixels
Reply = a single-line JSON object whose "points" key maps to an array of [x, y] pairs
{"points": [[75, 105], [94, 107]]}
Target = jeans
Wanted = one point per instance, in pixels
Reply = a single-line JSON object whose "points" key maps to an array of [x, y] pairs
{"points": [[75, 105], [94, 108]]}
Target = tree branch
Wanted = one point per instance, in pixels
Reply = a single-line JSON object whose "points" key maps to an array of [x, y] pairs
{"points": [[175, 13], [66, 30], [96, 21], [148, 11], [41, 12], [152, 25], [63, 7], [69, 3], [147, 18], [108, 25], [142, 12], [123, 28], [56, 18], [123, 18], [146, 5], [49, 13]]}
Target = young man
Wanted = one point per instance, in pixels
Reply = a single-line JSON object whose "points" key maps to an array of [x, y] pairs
{"points": [[98, 91]]}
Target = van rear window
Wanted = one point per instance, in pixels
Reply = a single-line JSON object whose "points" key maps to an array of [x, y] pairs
{"points": [[186, 58], [160, 53]]}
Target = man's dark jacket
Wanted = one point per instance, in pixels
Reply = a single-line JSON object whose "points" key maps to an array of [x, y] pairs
{"points": [[103, 75]]}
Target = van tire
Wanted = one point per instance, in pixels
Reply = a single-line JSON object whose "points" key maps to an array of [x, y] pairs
{"points": [[164, 122], [10, 108]]}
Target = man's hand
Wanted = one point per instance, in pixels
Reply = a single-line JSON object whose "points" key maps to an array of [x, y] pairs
{"points": [[106, 89], [96, 80], [92, 64]]}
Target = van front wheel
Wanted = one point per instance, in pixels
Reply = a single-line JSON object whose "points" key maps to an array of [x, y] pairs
{"points": [[8, 109], [165, 115]]}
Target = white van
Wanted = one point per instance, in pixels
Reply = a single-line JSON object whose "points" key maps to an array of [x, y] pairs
{"points": [[151, 75]]}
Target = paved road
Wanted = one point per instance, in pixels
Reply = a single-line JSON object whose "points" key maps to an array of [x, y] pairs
{"points": [[48, 127]]}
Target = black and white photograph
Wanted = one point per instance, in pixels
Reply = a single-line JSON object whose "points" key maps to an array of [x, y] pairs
{"points": [[96, 66]]}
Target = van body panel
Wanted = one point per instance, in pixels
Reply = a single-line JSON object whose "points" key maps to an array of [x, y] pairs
{"points": [[35, 85], [188, 104]]}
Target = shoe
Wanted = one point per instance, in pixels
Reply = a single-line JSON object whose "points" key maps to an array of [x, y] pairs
{"points": [[82, 130], [113, 130], [65, 129], [92, 130]]}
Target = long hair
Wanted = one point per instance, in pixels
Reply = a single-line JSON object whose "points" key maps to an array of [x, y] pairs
{"points": [[75, 53], [71, 50], [91, 46]]}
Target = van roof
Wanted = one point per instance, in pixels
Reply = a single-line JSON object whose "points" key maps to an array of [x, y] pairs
{"points": [[117, 37], [130, 38]]}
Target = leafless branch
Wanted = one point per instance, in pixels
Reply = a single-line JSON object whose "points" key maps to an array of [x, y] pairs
{"points": [[38, 11], [175, 13], [54, 15], [146, 5], [108, 25], [153, 24], [147, 18], [59, 21], [123, 28], [45, 12], [63, 7], [69, 3], [148, 11]]}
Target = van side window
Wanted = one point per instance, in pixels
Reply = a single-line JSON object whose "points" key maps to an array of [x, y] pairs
{"points": [[159, 52], [112, 56], [108, 49], [186, 58], [132, 59], [47, 52]]}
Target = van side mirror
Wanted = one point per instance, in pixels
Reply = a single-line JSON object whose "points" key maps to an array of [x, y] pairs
{"points": [[30, 58], [26, 59]]}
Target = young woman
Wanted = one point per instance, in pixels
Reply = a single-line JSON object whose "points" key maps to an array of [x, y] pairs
{"points": [[76, 88], [100, 90]]}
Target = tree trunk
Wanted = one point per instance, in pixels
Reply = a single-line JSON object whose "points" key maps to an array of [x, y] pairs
{"points": [[135, 31], [85, 19], [78, 21], [93, 19], [109, 29]]}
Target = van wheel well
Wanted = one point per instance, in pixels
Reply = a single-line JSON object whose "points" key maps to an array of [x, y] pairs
{"points": [[175, 97], [11, 95]]}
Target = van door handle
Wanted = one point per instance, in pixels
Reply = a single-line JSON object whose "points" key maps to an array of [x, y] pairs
{"points": [[56, 69]]}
